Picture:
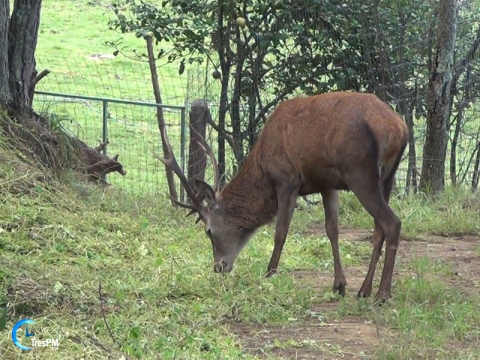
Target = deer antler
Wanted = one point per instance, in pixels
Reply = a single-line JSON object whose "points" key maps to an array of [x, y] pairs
{"points": [[171, 162]]}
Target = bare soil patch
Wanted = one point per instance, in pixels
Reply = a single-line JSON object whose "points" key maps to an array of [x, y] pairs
{"points": [[352, 338], [320, 337]]}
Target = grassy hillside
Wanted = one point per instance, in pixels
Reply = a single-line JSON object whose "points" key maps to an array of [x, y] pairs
{"points": [[72, 35]]}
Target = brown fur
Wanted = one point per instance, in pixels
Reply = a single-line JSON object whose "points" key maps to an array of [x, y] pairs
{"points": [[306, 135], [250, 197]]}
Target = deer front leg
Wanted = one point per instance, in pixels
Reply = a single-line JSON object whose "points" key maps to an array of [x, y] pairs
{"points": [[287, 195], [330, 205]]}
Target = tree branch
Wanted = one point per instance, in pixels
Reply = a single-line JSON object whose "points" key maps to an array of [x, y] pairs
{"points": [[102, 145], [462, 64], [160, 117], [274, 102], [39, 77], [229, 139]]}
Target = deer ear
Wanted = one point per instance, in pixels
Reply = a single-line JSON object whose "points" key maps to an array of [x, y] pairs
{"points": [[205, 191]]}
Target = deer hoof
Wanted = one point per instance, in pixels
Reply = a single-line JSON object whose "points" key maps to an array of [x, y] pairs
{"points": [[270, 273], [340, 289], [364, 293]]}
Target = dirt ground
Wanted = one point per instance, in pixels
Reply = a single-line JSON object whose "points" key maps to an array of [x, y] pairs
{"points": [[353, 337]]}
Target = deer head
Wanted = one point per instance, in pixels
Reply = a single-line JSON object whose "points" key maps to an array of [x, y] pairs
{"points": [[226, 236]]}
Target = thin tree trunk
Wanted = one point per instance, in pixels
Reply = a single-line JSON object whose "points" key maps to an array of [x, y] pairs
{"points": [[438, 100], [236, 119], [453, 150], [161, 120], [412, 153], [476, 167], [225, 66], [5, 94]]}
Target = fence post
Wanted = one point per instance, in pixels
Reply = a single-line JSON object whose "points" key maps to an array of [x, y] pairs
{"points": [[105, 130], [182, 149], [200, 116]]}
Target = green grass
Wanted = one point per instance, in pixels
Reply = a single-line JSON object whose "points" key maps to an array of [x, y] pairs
{"points": [[160, 296], [427, 320], [73, 30], [457, 207], [158, 284]]}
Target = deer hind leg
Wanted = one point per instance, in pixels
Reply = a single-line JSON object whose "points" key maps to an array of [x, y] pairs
{"points": [[366, 187], [287, 194], [378, 240], [330, 205]]}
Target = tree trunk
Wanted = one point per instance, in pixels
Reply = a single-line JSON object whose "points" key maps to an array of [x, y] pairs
{"points": [[225, 65], [18, 39], [476, 167], [453, 149], [236, 118], [438, 100], [197, 159], [411, 183], [5, 94], [23, 34]]}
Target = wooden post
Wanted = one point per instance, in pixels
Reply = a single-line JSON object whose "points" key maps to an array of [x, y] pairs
{"points": [[197, 159]]}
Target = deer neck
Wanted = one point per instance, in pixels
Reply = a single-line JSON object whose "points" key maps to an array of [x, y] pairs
{"points": [[250, 198]]}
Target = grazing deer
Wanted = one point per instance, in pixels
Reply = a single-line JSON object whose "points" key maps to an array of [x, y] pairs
{"points": [[317, 144]]}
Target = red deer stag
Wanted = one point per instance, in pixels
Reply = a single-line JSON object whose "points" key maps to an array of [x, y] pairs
{"points": [[318, 144]]}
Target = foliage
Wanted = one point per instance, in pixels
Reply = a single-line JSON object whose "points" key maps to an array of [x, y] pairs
{"points": [[310, 47], [284, 47]]}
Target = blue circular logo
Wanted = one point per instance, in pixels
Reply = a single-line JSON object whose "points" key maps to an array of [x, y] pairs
{"points": [[17, 326]]}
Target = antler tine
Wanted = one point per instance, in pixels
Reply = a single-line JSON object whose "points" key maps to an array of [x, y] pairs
{"points": [[172, 163], [209, 152], [193, 208]]}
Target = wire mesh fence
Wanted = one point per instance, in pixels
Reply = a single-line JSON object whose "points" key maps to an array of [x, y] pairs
{"points": [[302, 50], [130, 127]]}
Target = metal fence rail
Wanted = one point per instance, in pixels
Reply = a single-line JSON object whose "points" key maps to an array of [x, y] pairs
{"points": [[131, 128]]}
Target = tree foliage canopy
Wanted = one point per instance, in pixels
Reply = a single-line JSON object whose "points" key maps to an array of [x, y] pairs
{"points": [[307, 47]]}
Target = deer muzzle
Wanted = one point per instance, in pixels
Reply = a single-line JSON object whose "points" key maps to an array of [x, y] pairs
{"points": [[222, 267]]}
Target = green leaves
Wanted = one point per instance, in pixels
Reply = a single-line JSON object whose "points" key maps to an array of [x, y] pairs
{"points": [[289, 46]]}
